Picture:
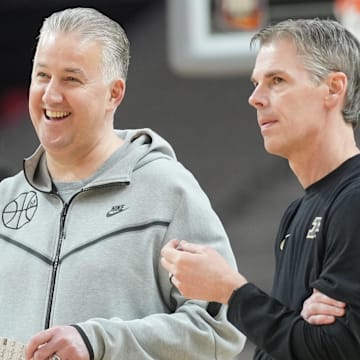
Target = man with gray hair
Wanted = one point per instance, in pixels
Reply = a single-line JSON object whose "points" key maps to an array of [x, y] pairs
{"points": [[307, 97], [83, 224]]}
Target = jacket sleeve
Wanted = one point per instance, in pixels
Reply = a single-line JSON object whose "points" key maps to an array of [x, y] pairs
{"points": [[282, 332], [187, 329]]}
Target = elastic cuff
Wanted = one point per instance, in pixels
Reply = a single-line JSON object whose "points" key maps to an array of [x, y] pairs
{"points": [[235, 292], [86, 340], [213, 308]]}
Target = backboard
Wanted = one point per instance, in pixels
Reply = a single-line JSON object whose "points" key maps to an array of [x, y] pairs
{"points": [[197, 47]]}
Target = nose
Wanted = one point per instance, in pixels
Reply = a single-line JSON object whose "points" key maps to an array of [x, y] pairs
{"points": [[258, 98], [52, 93]]}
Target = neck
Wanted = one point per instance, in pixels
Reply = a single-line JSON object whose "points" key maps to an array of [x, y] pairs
{"points": [[68, 167], [313, 167]]}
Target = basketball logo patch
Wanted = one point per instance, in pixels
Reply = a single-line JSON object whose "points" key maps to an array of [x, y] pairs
{"points": [[20, 211]]}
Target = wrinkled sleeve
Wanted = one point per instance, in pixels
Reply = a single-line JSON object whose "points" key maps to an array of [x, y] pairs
{"points": [[283, 333], [188, 331]]}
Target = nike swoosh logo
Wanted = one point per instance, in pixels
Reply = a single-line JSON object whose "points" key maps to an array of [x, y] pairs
{"points": [[283, 241], [116, 210]]}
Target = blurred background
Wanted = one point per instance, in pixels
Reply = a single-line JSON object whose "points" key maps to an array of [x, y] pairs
{"points": [[189, 81]]}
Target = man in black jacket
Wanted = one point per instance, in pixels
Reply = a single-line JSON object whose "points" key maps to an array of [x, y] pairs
{"points": [[307, 92]]}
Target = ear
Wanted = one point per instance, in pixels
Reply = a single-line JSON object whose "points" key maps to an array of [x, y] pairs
{"points": [[117, 92], [337, 85]]}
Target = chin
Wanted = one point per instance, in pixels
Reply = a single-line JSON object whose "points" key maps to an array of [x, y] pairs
{"points": [[274, 149], [52, 144]]}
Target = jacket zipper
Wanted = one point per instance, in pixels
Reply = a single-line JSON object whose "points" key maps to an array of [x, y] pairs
{"points": [[59, 245], [55, 266]]}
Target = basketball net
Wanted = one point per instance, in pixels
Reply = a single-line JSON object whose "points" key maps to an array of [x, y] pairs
{"points": [[348, 13]]}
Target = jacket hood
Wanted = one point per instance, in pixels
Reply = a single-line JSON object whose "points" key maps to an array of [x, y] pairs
{"points": [[140, 147]]}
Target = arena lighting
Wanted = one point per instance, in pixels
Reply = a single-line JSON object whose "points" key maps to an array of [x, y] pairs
{"points": [[195, 49]]}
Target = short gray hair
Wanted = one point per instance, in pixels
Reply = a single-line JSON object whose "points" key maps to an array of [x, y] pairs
{"points": [[325, 46], [92, 25]]}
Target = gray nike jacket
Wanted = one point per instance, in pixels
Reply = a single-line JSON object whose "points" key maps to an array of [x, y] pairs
{"points": [[93, 262]]}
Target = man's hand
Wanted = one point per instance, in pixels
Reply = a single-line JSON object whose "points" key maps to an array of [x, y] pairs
{"points": [[320, 309], [200, 272], [63, 341]]}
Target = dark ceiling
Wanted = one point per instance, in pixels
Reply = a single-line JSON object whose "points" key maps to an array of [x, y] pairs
{"points": [[21, 20]]}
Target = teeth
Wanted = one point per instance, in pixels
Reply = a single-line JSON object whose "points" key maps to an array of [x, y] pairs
{"points": [[56, 114]]}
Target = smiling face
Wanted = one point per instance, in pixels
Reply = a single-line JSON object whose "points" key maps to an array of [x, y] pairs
{"points": [[290, 106], [70, 105]]}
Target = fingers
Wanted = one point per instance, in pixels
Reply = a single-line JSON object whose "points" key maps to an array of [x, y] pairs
{"points": [[176, 251], [39, 346], [172, 244], [320, 309], [167, 264], [320, 297], [60, 341], [315, 312], [192, 248], [321, 320], [167, 254], [170, 250]]}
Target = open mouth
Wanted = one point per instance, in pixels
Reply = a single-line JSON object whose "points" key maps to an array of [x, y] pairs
{"points": [[56, 115]]}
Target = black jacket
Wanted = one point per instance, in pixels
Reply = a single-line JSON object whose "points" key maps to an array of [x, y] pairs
{"points": [[317, 246]]}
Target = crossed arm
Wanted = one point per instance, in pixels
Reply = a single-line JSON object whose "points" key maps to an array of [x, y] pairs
{"points": [[320, 309], [196, 279], [193, 276]]}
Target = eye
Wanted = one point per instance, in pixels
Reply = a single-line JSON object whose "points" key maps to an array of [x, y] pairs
{"points": [[72, 79], [41, 74], [277, 80]]}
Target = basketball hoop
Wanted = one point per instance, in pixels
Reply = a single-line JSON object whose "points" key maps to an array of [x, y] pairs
{"points": [[347, 12]]}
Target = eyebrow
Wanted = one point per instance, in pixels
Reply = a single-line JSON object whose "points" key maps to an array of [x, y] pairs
{"points": [[75, 71], [71, 70], [269, 74]]}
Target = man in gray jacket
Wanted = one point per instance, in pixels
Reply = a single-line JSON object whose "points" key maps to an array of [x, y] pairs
{"points": [[83, 224]]}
